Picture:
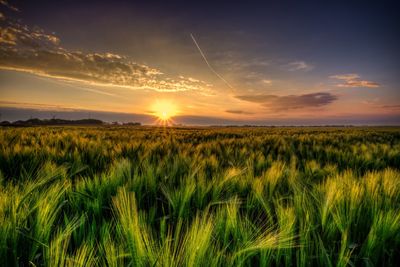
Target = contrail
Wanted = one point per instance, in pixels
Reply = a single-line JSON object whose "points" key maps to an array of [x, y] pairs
{"points": [[208, 64]]}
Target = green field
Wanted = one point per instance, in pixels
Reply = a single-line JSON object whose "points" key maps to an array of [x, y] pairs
{"points": [[142, 196]]}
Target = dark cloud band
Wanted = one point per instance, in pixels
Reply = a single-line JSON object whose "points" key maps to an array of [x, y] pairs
{"points": [[277, 103]]}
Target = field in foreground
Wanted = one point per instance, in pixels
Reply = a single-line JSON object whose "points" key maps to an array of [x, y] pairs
{"points": [[199, 197]]}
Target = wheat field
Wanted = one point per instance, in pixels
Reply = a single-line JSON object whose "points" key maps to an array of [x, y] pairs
{"points": [[148, 196]]}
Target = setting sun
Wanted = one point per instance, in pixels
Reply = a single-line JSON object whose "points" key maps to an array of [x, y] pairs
{"points": [[164, 110]]}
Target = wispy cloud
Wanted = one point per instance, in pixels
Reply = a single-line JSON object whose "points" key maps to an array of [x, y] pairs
{"points": [[238, 63], [290, 102], [391, 107], [299, 65], [236, 111], [77, 86], [353, 80], [37, 106], [32, 50], [5, 3], [265, 81]]}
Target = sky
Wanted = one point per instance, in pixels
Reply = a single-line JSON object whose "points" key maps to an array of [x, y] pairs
{"points": [[204, 63]]}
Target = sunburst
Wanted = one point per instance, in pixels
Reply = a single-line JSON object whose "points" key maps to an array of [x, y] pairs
{"points": [[164, 110]]}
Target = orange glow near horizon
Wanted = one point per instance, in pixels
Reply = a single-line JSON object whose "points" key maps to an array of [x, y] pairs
{"points": [[164, 110]]}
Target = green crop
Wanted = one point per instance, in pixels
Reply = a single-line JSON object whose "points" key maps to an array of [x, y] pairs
{"points": [[144, 196]]}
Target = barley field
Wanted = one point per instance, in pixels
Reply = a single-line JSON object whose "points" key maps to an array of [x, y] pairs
{"points": [[147, 196]]}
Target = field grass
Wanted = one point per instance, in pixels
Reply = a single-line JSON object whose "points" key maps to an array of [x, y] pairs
{"points": [[76, 196]]}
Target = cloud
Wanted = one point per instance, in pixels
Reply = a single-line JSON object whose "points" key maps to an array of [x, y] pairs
{"points": [[234, 111], [265, 81], [299, 65], [5, 3], [391, 107], [233, 61], [290, 102], [353, 80], [346, 77], [37, 106], [32, 50]]}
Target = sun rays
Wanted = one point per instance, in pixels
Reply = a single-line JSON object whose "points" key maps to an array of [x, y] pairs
{"points": [[164, 110]]}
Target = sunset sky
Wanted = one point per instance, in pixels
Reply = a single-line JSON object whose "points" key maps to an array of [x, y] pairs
{"points": [[290, 63]]}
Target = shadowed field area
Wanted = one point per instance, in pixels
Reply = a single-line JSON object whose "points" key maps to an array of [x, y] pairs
{"points": [[138, 196]]}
